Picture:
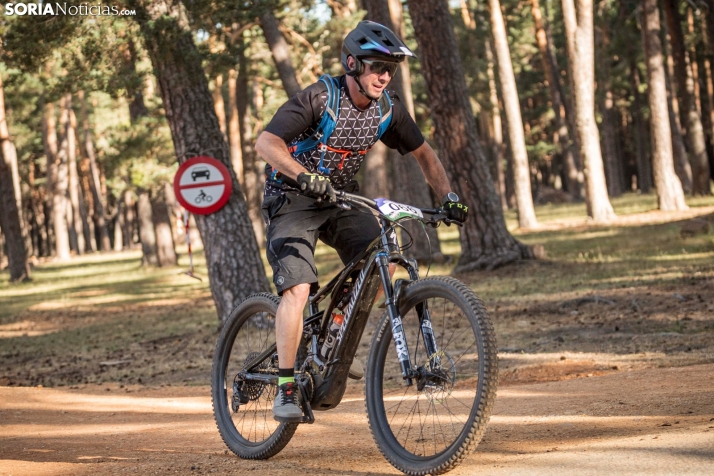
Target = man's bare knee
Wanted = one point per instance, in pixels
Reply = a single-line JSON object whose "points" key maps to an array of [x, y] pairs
{"points": [[297, 294]]}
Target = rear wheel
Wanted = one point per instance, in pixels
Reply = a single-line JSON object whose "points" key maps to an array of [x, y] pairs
{"points": [[243, 409], [430, 426]]}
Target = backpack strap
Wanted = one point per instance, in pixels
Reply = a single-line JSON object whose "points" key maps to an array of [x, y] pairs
{"points": [[385, 113], [327, 122]]}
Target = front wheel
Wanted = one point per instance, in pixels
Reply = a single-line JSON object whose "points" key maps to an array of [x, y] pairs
{"points": [[430, 426], [243, 409]]}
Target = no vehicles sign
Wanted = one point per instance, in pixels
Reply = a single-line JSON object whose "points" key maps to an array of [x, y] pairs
{"points": [[203, 185]]}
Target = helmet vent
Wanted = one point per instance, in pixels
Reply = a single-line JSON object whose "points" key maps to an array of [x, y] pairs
{"points": [[377, 32], [387, 42]]}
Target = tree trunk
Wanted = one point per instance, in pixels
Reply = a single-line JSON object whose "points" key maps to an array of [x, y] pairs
{"points": [[233, 260], [252, 174], [693, 60], [166, 253], [10, 221], [485, 240], [644, 164], [612, 159], [137, 108], [128, 230], [578, 19], [681, 161], [376, 182], [568, 150], [94, 185], [497, 147], [10, 153], [708, 76], [281, 53], [218, 103], [521, 169], [234, 128], [147, 235], [408, 184], [669, 190], [60, 201], [79, 208], [119, 226], [685, 87]]}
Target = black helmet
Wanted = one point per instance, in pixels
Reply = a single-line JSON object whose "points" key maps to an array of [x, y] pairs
{"points": [[372, 40]]}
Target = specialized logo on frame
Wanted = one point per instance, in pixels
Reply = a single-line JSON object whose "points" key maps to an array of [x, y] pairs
{"points": [[62, 8]]}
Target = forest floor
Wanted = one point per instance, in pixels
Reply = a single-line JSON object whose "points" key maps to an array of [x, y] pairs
{"points": [[605, 347]]}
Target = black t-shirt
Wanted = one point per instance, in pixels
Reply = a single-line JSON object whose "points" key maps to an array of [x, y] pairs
{"points": [[355, 130]]}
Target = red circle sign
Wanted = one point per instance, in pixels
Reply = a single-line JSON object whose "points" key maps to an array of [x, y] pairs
{"points": [[203, 185]]}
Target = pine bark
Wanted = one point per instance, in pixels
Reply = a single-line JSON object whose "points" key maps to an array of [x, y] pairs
{"points": [[669, 189], [137, 107], [281, 53], [578, 19], [60, 199], [376, 183], [497, 145], [485, 240], [147, 236], [407, 184], [685, 87], [10, 152], [218, 102], [94, 185], [234, 127], [233, 260], [79, 207], [644, 163], [165, 249], [681, 162], [612, 159], [708, 76], [570, 154], [10, 223], [521, 168], [252, 176]]}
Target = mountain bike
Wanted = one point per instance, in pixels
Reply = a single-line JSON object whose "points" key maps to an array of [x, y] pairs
{"points": [[431, 373]]}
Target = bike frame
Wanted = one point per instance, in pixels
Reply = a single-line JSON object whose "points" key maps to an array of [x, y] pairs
{"points": [[368, 271]]}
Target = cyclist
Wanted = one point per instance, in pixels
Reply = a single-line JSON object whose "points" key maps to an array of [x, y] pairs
{"points": [[371, 54]]}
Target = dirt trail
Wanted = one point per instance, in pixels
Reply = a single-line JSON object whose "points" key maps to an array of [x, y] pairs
{"points": [[652, 421]]}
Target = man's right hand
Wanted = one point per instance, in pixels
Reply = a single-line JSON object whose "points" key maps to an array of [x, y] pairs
{"points": [[316, 185]]}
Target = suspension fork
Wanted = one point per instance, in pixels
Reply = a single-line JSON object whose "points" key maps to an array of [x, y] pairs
{"points": [[427, 331], [400, 341]]}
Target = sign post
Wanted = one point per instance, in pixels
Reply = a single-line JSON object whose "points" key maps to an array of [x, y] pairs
{"points": [[203, 186]]}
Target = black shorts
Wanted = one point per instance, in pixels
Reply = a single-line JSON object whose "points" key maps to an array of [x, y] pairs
{"points": [[295, 222]]}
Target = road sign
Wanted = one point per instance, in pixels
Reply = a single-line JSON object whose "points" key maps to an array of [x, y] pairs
{"points": [[202, 185]]}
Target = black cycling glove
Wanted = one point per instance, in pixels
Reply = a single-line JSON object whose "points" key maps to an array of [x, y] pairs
{"points": [[316, 186], [456, 211]]}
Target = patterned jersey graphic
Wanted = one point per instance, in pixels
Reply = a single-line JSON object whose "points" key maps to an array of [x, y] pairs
{"points": [[355, 130]]}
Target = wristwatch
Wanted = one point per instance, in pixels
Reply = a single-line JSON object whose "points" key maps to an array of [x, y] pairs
{"points": [[449, 197]]}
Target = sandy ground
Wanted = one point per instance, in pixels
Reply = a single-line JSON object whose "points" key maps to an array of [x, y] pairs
{"points": [[649, 421]]}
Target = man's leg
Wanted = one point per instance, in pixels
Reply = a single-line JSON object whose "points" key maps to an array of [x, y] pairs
{"points": [[288, 330], [288, 324]]}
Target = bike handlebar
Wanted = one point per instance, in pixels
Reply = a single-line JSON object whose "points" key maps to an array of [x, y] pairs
{"points": [[438, 214]]}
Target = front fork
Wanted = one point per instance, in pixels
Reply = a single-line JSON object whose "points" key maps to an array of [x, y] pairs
{"points": [[395, 318]]}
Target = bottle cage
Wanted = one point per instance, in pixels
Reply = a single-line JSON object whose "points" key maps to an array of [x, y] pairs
{"points": [[319, 138]]}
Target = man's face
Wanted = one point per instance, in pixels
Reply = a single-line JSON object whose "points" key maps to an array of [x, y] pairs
{"points": [[376, 76]]}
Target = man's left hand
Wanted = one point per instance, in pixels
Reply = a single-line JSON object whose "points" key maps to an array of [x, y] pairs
{"points": [[456, 211]]}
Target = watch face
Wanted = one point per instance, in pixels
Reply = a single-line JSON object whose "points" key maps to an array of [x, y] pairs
{"points": [[451, 197]]}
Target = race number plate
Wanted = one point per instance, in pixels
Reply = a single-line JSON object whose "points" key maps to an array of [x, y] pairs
{"points": [[395, 210]]}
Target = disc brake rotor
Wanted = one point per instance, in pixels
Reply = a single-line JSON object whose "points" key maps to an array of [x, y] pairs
{"points": [[439, 385]]}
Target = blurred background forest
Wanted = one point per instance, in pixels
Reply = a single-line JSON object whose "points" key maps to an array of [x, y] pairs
{"points": [[90, 144]]}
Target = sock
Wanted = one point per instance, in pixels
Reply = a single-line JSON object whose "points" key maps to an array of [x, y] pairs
{"points": [[286, 376]]}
